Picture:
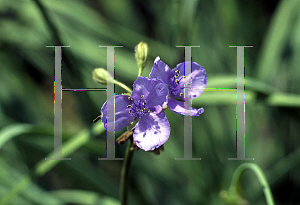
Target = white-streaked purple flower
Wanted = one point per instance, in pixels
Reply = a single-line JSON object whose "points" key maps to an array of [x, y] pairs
{"points": [[176, 80], [145, 104]]}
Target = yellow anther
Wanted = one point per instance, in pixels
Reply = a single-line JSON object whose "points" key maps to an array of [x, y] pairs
{"points": [[177, 81], [177, 71], [142, 96], [129, 98], [128, 106], [144, 103], [143, 109], [130, 111], [181, 94], [176, 75], [148, 110]]}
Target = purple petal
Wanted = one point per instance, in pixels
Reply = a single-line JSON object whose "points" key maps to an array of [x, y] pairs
{"points": [[198, 76], [154, 91], [178, 107], [160, 71], [122, 115], [152, 131]]}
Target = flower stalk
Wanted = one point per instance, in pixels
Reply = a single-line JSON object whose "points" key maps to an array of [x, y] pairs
{"points": [[124, 184], [123, 86], [141, 55]]}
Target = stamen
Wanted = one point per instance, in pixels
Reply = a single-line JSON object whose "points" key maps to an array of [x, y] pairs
{"points": [[142, 96], [130, 111], [143, 109], [128, 106], [183, 76], [176, 75], [177, 81], [144, 103], [181, 94], [148, 110], [129, 98], [177, 71]]}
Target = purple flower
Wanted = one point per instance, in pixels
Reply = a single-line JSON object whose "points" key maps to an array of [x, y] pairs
{"points": [[176, 80], [145, 105]]}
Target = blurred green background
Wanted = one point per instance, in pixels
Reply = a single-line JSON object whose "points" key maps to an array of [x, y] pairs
{"points": [[272, 99]]}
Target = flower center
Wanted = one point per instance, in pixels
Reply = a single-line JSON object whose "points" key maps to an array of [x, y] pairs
{"points": [[174, 86], [138, 107]]}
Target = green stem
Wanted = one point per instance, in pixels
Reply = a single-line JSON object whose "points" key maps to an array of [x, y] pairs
{"points": [[260, 176], [140, 70], [123, 86], [124, 184]]}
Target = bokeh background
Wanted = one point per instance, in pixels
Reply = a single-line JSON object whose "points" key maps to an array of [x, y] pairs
{"points": [[272, 99]]}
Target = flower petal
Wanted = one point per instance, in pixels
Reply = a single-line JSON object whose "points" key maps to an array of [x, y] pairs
{"points": [[154, 91], [122, 115], [160, 71], [178, 107], [198, 76], [152, 131]]}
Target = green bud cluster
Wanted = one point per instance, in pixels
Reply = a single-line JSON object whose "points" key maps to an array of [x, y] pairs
{"points": [[101, 76], [141, 54]]}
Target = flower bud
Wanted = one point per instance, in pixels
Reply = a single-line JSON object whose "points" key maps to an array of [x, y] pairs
{"points": [[141, 54], [101, 76]]}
